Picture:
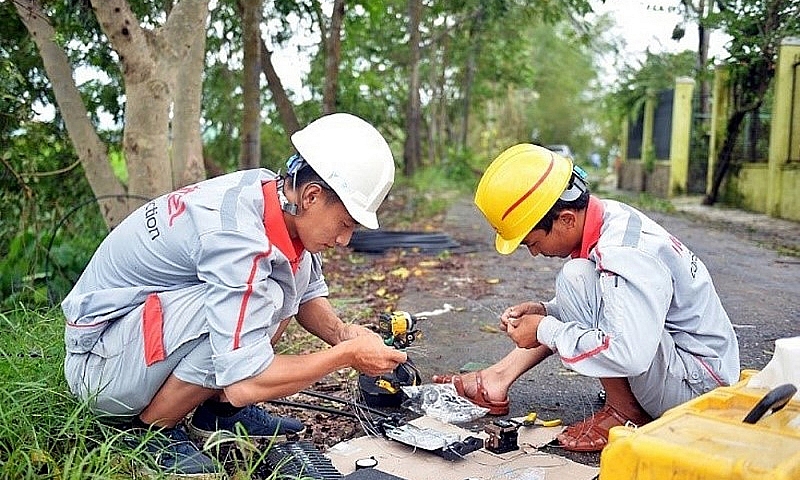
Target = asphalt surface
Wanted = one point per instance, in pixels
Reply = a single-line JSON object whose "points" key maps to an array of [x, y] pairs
{"points": [[745, 253]]}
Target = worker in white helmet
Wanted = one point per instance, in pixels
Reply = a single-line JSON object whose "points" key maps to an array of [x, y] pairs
{"points": [[180, 306], [633, 307]]}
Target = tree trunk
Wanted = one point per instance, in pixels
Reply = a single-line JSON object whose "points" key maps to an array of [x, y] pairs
{"points": [[725, 156], [472, 60], [187, 145], [412, 152], [443, 127], [282, 102], [251, 117], [91, 150], [333, 51], [702, 59], [703, 10], [148, 93], [150, 62]]}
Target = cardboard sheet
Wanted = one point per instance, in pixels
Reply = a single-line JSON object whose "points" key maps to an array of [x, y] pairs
{"points": [[410, 463]]}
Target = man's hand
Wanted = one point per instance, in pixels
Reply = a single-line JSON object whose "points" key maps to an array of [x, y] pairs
{"points": [[372, 357], [511, 315], [522, 330], [350, 331]]}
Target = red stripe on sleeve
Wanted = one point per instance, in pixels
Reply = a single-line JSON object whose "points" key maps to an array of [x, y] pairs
{"points": [[246, 297], [590, 353]]}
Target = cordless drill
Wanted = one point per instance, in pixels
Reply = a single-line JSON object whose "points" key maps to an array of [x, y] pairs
{"points": [[398, 329]]}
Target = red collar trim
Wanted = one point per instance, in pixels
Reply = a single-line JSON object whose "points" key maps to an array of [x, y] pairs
{"points": [[275, 226], [591, 227]]}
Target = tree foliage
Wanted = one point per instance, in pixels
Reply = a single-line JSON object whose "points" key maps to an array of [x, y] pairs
{"points": [[756, 29], [656, 72], [489, 74]]}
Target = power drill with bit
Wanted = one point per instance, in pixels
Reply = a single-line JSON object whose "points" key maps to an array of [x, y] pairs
{"points": [[398, 329]]}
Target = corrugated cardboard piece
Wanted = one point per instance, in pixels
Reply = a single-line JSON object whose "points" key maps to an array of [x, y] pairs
{"points": [[409, 463]]}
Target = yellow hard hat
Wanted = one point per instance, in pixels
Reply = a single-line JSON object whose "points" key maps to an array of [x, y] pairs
{"points": [[518, 188]]}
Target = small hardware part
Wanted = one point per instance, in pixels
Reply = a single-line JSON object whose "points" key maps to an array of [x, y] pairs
{"points": [[503, 436], [449, 446]]}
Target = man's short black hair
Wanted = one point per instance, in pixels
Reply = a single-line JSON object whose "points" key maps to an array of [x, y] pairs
{"points": [[305, 175], [580, 203]]}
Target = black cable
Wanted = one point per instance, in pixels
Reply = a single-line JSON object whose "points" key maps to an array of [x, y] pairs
{"points": [[333, 398], [309, 406], [378, 241]]}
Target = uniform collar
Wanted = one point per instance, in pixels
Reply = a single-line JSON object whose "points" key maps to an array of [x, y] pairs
{"points": [[591, 227], [275, 226]]}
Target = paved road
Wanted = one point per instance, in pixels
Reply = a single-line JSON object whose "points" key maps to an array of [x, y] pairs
{"points": [[758, 286]]}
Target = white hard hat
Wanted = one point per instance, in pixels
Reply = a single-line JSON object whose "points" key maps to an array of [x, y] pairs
{"points": [[353, 158]]}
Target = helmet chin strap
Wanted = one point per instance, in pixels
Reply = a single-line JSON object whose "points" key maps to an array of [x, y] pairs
{"points": [[577, 185], [286, 205], [293, 165]]}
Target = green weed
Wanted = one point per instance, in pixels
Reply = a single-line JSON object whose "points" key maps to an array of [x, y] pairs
{"points": [[45, 432]]}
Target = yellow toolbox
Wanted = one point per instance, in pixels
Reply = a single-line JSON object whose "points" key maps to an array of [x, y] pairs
{"points": [[708, 439]]}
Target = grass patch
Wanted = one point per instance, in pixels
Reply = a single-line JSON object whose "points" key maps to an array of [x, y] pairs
{"points": [[44, 431]]}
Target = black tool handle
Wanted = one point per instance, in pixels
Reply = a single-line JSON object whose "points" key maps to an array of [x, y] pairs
{"points": [[774, 400]]}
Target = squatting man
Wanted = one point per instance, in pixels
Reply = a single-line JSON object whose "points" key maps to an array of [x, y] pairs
{"points": [[180, 306], [634, 307]]}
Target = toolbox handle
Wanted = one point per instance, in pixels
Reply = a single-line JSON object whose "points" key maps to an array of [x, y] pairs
{"points": [[774, 400]]}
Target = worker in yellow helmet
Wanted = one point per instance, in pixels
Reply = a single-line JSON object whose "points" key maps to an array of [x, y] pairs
{"points": [[633, 307]]}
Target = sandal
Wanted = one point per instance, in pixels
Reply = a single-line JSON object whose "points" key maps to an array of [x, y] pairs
{"points": [[591, 435], [481, 398]]}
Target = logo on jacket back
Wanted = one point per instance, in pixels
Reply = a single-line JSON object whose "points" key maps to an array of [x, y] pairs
{"points": [[175, 207], [693, 260], [151, 221], [175, 203]]}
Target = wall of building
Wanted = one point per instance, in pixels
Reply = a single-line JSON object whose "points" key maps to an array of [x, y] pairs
{"points": [[772, 187]]}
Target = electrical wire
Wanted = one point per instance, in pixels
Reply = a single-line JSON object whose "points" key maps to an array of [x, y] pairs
{"points": [[334, 398], [309, 406]]}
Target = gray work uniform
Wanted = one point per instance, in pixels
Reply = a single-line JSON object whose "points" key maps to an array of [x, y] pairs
{"points": [[635, 302], [193, 283]]}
